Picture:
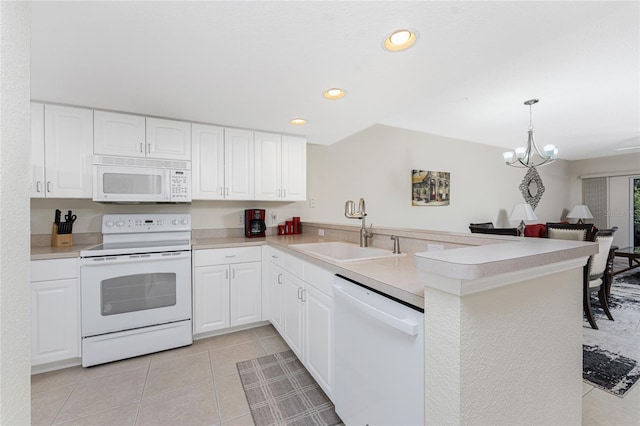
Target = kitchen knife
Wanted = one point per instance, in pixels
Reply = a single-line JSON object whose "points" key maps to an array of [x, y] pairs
{"points": [[57, 218]]}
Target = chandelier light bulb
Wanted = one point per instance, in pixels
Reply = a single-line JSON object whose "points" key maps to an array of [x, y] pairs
{"points": [[549, 149], [520, 151], [508, 156]]}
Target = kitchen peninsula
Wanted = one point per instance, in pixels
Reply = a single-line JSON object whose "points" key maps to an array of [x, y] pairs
{"points": [[502, 315]]}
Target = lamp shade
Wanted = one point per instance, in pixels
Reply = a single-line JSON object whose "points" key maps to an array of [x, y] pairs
{"points": [[580, 211], [522, 212]]}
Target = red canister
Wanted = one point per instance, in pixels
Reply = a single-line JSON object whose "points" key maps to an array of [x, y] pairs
{"points": [[297, 228], [289, 227], [281, 229]]}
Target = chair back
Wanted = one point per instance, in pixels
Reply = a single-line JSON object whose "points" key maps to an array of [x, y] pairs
{"points": [[494, 231], [598, 261], [571, 231], [482, 225]]}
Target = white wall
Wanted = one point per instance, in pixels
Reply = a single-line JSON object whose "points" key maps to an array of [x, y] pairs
{"points": [[15, 356], [618, 169], [376, 164]]}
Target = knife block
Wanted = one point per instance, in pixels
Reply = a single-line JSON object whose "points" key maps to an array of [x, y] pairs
{"points": [[60, 240]]}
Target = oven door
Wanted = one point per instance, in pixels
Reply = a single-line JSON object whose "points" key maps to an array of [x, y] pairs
{"points": [[131, 184], [132, 291]]}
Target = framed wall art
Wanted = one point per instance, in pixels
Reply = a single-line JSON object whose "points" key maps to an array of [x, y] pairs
{"points": [[430, 188]]}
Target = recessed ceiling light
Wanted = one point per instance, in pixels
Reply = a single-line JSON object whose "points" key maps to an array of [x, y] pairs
{"points": [[298, 121], [334, 93], [400, 40]]}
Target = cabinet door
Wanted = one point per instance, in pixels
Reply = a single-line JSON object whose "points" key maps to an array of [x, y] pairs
{"points": [[294, 168], [292, 313], [318, 331], [207, 162], [238, 164], [276, 294], [68, 143], [118, 134], [37, 150], [246, 298], [55, 324], [268, 166], [210, 298], [168, 139]]}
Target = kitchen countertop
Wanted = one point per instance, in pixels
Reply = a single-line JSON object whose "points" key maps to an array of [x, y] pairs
{"points": [[401, 277]]}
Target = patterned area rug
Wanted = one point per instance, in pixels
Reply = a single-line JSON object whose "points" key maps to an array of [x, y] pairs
{"points": [[280, 391], [611, 355]]}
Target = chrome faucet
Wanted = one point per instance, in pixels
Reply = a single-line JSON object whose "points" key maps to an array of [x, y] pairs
{"points": [[351, 213], [396, 244]]}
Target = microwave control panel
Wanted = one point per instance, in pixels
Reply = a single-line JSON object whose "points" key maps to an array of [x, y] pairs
{"points": [[180, 185]]}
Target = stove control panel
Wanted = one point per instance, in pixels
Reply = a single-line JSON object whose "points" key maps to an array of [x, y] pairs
{"points": [[143, 223]]}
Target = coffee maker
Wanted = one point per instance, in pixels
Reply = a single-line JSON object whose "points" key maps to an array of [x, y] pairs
{"points": [[254, 223]]}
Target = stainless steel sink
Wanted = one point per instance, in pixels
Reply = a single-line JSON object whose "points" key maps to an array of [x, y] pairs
{"points": [[340, 252]]}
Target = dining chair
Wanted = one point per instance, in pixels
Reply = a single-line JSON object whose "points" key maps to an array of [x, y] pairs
{"points": [[595, 275], [570, 231]]}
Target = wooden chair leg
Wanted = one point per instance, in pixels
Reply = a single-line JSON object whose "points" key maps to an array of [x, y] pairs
{"points": [[587, 309], [604, 303]]}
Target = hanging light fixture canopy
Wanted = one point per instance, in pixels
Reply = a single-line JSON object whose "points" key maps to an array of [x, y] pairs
{"points": [[530, 156]]}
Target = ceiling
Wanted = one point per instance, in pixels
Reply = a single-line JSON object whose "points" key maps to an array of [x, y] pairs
{"points": [[259, 64]]}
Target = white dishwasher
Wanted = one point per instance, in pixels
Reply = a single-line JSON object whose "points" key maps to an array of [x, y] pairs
{"points": [[379, 358]]}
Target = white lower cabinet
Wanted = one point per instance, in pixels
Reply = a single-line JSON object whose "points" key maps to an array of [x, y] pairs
{"points": [[301, 304], [227, 287], [55, 311]]}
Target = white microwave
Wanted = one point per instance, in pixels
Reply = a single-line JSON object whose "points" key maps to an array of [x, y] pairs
{"points": [[141, 180]]}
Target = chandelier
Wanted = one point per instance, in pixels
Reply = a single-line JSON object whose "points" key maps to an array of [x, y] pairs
{"points": [[530, 156]]}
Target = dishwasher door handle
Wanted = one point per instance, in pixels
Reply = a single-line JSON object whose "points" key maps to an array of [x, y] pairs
{"points": [[401, 324]]}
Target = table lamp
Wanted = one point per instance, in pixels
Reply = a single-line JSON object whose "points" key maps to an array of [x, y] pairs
{"points": [[522, 212], [580, 211]]}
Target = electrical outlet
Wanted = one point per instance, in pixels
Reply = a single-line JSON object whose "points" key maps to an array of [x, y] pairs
{"points": [[241, 219], [274, 218], [312, 203], [320, 232]]}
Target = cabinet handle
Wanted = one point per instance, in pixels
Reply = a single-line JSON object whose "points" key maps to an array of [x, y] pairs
{"points": [[233, 273], [142, 147], [226, 274], [221, 194], [48, 186], [149, 148], [284, 193], [300, 293], [303, 293], [230, 255], [227, 190], [274, 256], [279, 278], [38, 186], [278, 194]]}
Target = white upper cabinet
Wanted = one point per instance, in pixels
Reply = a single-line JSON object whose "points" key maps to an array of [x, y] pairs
{"points": [[238, 164], [294, 168], [130, 135], [68, 147], [207, 166], [37, 151], [119, 134], [268, 168], [168, 139], [281, 167]]}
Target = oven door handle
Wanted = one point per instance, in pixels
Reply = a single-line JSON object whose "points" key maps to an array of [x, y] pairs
{"points": [[131, 258]]}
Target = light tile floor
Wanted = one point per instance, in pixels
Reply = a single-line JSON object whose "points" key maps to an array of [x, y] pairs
{"points": [[194, 385], [199, 384]]}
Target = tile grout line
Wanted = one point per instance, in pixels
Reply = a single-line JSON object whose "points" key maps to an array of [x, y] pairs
{"points": [[53, 421], [146, 378], [215, 386]]}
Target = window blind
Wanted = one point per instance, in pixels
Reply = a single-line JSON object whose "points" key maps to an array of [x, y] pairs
{"points": [[594, 196]]}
